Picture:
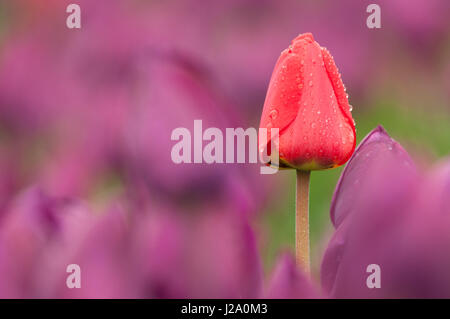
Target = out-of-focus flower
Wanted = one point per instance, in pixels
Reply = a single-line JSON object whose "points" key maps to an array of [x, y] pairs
{"points": [[288, 282], [211, 255], [421, 24], [31, 223], [116, 102], [306, 101], [239, 33], [147, 255], [174, 92], [386, 213]]}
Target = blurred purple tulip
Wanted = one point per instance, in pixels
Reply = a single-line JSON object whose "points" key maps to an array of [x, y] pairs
{"points": [[288, 282], [211, 255], [94, 109], [176, 92], [393, 217], [230, 35], [32, 222], [423, 25], [153, 255]]}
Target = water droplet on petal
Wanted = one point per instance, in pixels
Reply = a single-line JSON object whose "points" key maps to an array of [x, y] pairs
{"points": [[350, 107], [273, 114]]}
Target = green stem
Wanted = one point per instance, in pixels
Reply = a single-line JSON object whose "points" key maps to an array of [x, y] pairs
{"points": [[302, 253]]}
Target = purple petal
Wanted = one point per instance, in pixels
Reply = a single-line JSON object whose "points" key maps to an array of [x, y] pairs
{"points": [[207, 255], [377, 147], [288, 282]]}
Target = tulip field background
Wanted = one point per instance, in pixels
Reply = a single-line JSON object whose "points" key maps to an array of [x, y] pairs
{"points": [[86, 116]]}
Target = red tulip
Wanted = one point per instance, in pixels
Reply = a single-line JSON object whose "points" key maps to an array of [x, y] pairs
{"points": [[306, 101]]}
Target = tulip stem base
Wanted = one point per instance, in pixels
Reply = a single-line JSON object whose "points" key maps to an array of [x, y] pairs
{"points": [[302, 253]]}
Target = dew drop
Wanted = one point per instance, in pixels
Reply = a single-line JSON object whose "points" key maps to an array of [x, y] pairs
{"points": [[273, 114], [310, 83], [313, 125], [350, 107], [318, 112]]}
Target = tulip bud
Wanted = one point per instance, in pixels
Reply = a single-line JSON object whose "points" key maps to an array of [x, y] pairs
{"points": [[307, 102]]}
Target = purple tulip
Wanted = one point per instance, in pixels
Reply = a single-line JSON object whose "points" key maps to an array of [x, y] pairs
{"points": [[388, 214], [32, 222], [423, 25], [209, 255], [116, 101], [288, 282], [376, 149], [103, 255]]}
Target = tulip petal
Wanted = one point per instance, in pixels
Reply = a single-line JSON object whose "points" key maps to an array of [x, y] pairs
{"points": [[288, 282], [376, 147]]}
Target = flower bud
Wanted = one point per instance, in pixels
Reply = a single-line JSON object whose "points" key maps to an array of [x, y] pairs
{"points": [[307, 102]]}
